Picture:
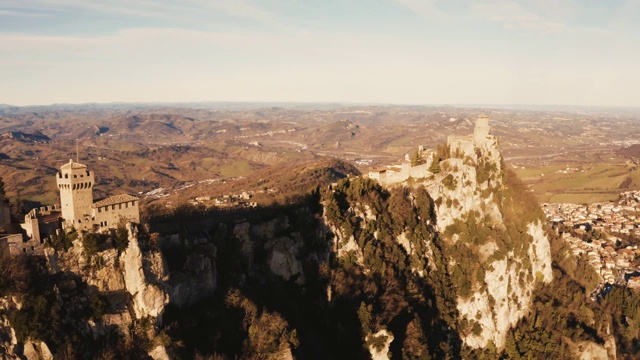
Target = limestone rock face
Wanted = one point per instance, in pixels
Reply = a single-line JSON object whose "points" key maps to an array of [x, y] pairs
{"points": [[72, 260], [587, 350], [282, 257], [508, 283], [197, 281], [462, 193], [36, 351], [148, 298], [159, 353], [241, 232], [383, 352], [107, 278], [281, 250], [511, 295], [8, 340], [495, 287]]}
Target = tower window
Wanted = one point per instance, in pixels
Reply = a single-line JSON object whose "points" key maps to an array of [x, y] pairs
{"points": [[66, 176]]}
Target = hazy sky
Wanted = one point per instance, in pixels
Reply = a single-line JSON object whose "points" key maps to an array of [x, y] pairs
{"points": [[581, 52]]}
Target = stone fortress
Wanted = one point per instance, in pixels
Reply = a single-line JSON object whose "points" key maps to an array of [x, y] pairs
{"points": [[76, 210], [461, 146], [465, 145], [75, 183]]}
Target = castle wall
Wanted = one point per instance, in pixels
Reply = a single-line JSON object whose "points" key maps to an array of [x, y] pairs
{"points": [[388, 177], [108, 216], [31, 225], [14, 244], [461, 144]]}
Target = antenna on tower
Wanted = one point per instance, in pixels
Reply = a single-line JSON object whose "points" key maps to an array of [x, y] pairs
{"points": [[77, 152]]}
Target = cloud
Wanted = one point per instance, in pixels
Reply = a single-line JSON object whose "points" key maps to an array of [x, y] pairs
{"points": [[157, 9], [19, 13], [514, 16], [427, 9], [16, 42]]}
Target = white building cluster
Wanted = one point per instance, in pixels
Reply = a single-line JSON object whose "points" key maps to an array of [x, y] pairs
{"points": [[615, 263]]}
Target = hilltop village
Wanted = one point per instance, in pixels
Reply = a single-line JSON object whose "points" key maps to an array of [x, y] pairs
{"points": [[601, 233], [77, 210]]}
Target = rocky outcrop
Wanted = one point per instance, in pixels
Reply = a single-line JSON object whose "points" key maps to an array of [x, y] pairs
{"points": [[282, 260], [278, 241], [378, 344], [149, 299], [494, 274], [504, 296], [108, 277], [36, 351], [8, 339], [196, 281], [159, 353], [508, 292], [588, 350]]}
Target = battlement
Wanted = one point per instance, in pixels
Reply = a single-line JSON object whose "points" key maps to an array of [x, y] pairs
{"points": [[43, 210]]}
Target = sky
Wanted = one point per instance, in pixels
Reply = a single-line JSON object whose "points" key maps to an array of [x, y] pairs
{"points": [[455, 52]]}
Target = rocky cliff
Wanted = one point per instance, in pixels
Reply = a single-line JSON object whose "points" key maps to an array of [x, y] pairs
{"points": [[493, 246], [103, 292], [455, 265], [498, 253]]}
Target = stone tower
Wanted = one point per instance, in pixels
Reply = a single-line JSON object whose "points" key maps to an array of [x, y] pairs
{"points": [[76, 194], [482, 129]]}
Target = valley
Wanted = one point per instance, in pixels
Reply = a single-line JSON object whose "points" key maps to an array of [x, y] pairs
{"points": [[563, 155], [272, 232]]}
